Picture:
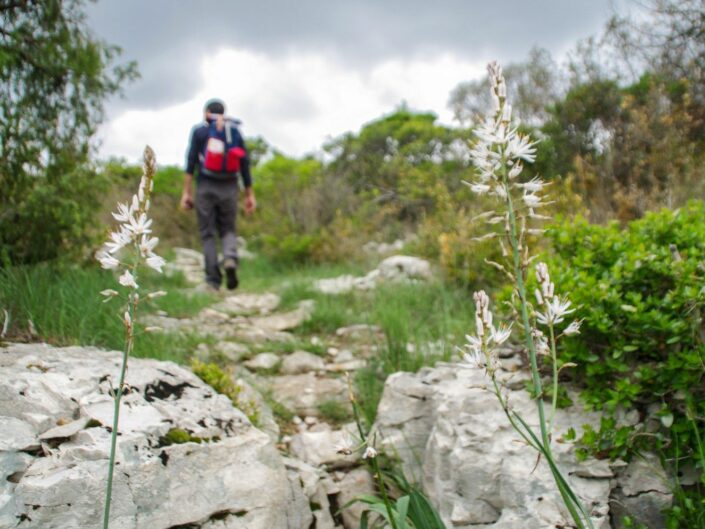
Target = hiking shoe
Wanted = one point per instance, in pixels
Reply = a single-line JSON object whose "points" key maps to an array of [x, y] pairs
{"points": [[230, 267]]}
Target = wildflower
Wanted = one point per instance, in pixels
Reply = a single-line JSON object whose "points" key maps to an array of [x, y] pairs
{"points": [[127, 319], [534, 185], [128, 280], [501, 334], [480, 189], [120, 239], [140, 226], [370, 453], [107, 261], [156, 263], [147, 245], [124, 213], [531, 200], [573, 328], [157, 294], [109, 293]]}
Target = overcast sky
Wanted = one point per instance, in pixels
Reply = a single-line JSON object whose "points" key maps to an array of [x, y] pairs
{"points": [[301, 72]]}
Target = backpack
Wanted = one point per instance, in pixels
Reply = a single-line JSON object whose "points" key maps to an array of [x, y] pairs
{"points": [[223, 152]]}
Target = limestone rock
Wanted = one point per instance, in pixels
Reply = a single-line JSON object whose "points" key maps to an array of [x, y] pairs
{"points": [[301, 362], [303, 393], [247, 304], [286, 320], [452, 437], [263, 361], [358, 482], [405, 267], [642, 493], [50, 392], [394, 268], [320, 448]]}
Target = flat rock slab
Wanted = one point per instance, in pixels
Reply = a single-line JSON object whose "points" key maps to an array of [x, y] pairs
{"points": [[320, 448], [263, 361], [301, 362], [285, 320], [51, 393], [302, 394], [248, 304]]}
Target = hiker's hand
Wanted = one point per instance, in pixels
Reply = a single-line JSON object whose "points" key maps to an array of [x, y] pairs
{"points": [[186, 201], [250, 201]]}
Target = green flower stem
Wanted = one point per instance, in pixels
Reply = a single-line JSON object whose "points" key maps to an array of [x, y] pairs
{"points": [[521, 289], [554, 357], [571, 501], [127, 350], [383, 491]]}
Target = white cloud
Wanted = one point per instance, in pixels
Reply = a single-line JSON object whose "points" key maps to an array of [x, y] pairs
{"points": [[295, 102]]}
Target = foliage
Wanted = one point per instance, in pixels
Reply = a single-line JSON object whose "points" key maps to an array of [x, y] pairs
{"points": [[60, 304], [640, 293], [54, 78], [222, 382]]}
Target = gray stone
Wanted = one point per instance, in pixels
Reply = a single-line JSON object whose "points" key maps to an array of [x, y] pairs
{"points": [[303, 393], [361, 330], [263, 361], [320, 448], [642, 493], [247, 304], [286, 320], [452, 436], [42, 386], [405, 267], [358, 482], [301, 362]]}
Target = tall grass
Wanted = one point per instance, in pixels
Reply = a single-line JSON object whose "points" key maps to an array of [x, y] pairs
{"points": [[64, 306]]}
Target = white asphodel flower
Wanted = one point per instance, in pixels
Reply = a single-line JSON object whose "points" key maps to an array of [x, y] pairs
{"points": [[534, 185], [556, 310], [501, 334], [120, 239], [573, 328], [370, 453], [128, 280], [147, 245], [157, 294], [531, 200], [107, 261], [109, 293], [156, 263], [480, 189], [139, 226], [123, 214]]}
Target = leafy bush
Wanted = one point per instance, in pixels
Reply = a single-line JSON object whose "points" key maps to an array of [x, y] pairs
{"points": [[640, 292]]}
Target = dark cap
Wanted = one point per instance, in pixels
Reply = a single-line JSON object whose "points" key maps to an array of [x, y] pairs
{"points": [[215, 106]]}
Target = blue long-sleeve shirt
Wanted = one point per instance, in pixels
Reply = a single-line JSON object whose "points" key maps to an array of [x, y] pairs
{"points": [[197, 152]]}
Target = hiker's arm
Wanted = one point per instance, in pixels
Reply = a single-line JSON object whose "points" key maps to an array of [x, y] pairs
{"points": [[250, 200], [187, 195], [191, 159]]}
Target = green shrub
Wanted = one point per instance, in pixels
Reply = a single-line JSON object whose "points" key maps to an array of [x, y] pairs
{"points": [[640, 293]]}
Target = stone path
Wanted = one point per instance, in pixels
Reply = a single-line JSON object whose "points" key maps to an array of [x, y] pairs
{"points": [[301, 378]]}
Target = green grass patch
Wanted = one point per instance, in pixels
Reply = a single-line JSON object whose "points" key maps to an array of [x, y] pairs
{"points": [[65, 307], [334, 411]]}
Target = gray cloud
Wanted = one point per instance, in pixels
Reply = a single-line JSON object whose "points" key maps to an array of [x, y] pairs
{"points": [[168, 37]]}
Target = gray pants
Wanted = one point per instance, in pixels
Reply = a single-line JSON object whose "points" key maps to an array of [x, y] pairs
{"points": [[216, 206]]}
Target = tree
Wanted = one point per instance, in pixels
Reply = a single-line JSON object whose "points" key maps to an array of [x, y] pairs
{"points": [[54, 78], [533, 85]]}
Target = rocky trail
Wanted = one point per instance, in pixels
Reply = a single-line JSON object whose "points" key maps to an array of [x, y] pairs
{"points": [[190, 459]]}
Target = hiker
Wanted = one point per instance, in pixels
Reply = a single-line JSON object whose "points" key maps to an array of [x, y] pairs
{"points": [[219, 149]]}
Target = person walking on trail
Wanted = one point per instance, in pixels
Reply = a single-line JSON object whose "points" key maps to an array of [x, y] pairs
{"points": [[218, 149]]}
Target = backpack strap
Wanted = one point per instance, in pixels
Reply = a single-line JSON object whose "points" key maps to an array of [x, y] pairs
{"points": [[228, 133]]}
